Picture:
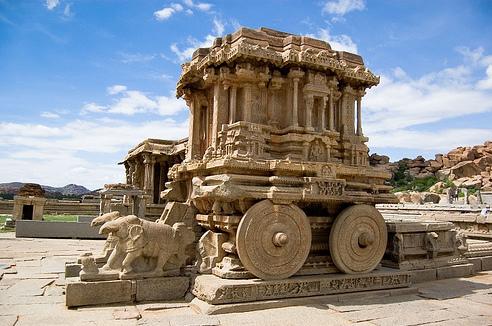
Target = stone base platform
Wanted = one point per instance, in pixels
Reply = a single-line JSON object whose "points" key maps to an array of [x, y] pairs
{"points": [[216, 291], [451, 271], [205, 308], [125, 291]]}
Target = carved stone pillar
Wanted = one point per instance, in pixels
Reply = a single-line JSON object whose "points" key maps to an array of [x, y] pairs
{"points": [[309, 100], [295, 74], [131, 171], [248, 102], [295, 109], [193, 126], [215, 114], [323, 113], [232, 104], [149, 162], [359, 114], [127, 173], [331, 112], [263, 103]]}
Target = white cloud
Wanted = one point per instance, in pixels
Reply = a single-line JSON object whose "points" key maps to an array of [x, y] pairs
{"points": [[202, 6], [487, 82], [337, 42], [50, 115], [177, 7], [167, 12], [92, 108], [67, 12], [80, 151], [404, 102], [131, 102], [342, 7], [439, 140], [394, 110], [116, 89], [52, 4], [218, 29], [136, 57]]}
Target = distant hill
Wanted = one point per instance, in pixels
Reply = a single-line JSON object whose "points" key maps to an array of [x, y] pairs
{"points": [[8, 190]]}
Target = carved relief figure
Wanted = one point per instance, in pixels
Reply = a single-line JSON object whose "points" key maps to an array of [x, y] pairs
{"points": [[316, 151], [145, 249]]}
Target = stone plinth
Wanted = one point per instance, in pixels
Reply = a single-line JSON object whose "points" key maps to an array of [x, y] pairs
{"points": [[118, 291], [420, 245], [215, 290]]}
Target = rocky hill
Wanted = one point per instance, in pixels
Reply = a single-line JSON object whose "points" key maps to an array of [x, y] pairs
{"points": [[71, 190], [467, 167]]}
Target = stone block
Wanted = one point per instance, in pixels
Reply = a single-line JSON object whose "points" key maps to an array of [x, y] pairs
{"points": [[424, 275], [119, 291], [95, 293], [486, 263], [477, 264], [167, 288], [455, 271], [72, 269], [68, 230]]}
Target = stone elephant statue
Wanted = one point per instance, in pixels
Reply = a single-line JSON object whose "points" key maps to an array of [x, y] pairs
{"points": [[111, 241], [144, 248]]}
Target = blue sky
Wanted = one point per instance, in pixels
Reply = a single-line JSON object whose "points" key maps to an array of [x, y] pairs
{"points": [[83, 81]]}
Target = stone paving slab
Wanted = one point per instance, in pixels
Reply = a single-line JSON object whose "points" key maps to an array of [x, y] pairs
{"points": [[32, 295]]}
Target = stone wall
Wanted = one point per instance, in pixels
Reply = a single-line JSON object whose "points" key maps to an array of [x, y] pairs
{"points": [[71, 207], [6, 206], [54, 206]]}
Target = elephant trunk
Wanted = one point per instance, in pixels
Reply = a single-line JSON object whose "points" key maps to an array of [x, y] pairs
{"points": [[108, 227]]}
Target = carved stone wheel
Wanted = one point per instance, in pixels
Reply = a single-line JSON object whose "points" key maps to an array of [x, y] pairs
{"points": [[358, 239], [273, 241]]}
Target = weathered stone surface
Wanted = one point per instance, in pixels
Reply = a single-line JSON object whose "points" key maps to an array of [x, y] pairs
{"points": [[72, 269], [331, 301], [96, 293], [424, 275], [465, 169], [472, 300], [215, 290], [162, 289], [126, 313], [477, 264], [487, 263], [9, 320], [454, 271], [431, 198], [106, 292]]}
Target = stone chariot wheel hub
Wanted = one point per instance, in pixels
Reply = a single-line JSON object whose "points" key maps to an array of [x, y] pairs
{"points": [[273, 241], [358, 239]]}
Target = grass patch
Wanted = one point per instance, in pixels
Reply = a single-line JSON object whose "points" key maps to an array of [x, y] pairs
{"points": [[413, 184], [60, 218]]}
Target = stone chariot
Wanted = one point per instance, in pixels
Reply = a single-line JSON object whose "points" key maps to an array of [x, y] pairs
{"points": [[276, 169]]}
